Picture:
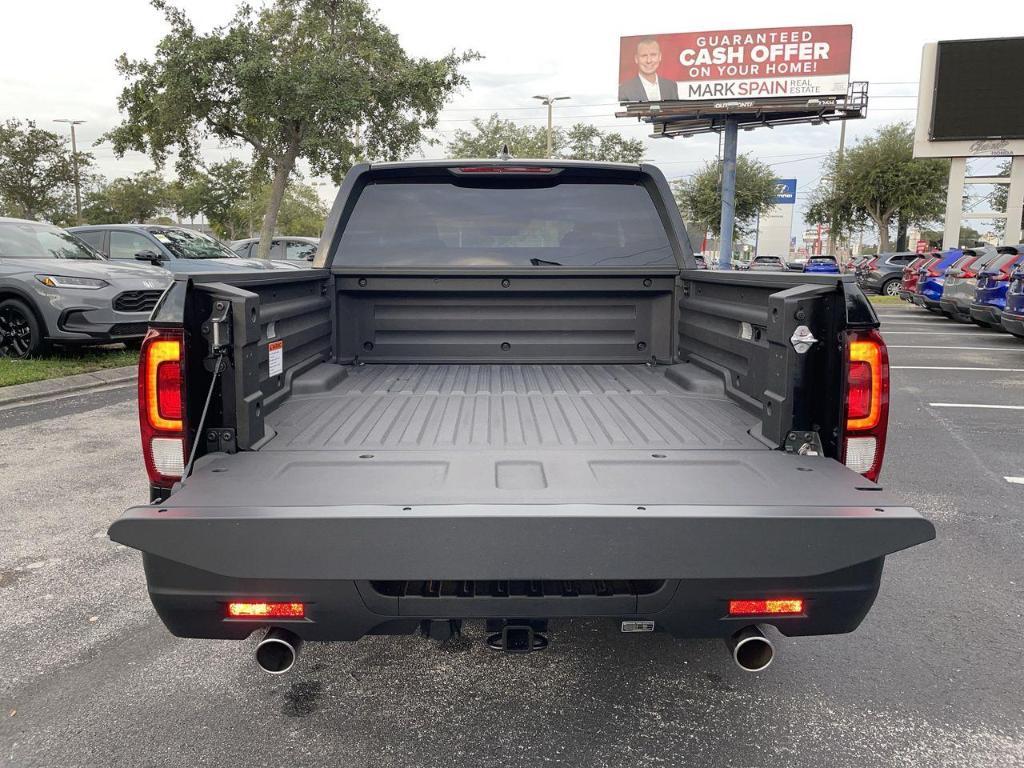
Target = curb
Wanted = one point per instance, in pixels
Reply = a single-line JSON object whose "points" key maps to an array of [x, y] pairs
{"points": [[20, 394]]}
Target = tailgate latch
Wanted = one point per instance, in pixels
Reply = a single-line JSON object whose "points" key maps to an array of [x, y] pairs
{"points": [[802, 339]]}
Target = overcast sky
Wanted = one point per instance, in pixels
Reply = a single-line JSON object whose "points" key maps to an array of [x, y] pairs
{"points": [[57, 60]]}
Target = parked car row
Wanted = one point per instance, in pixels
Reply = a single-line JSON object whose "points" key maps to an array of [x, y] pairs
{"points": [[778, 264], [983, 285], [99, 284]]}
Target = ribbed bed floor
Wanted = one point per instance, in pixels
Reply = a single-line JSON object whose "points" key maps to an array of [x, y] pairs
{"points": [[433, 407]]}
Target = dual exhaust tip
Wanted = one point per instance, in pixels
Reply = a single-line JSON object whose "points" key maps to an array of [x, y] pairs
{"points": [[277, 653]]}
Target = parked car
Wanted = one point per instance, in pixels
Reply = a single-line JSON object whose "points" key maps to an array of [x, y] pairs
{"points": [[767, 264], [55, 289], [291, 249], [911, 273], [928, 293], [701, 262], [882, 273], [177, 249], [993, 282], [826, 264], [474, 494], [1012, 316], [962, 281]]}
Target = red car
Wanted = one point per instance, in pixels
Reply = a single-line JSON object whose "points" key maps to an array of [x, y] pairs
{"points": [[911, 274]]}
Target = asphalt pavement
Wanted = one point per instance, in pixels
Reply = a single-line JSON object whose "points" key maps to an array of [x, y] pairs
{"points": [[933, 677]]}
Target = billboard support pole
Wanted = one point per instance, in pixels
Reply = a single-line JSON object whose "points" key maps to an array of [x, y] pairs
{"points": [[954, 203], [728, 193]]}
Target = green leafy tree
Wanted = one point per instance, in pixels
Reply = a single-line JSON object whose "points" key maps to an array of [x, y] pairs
{"points": [[321, 80], [132, 199], [223, 193], [580, 142], [37, 177], [880, 181], [302, 210], [699, 197], [1000, 199]]}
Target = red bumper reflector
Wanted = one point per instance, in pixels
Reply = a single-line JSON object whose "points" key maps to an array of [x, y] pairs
{"points": [[266, 610], [784, 606]]}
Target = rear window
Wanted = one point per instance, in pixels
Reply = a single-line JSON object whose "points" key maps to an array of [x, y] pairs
{"points": [[474, 224]]}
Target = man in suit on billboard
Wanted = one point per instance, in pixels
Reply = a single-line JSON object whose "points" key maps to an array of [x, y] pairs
{"points": [[647, 86]]}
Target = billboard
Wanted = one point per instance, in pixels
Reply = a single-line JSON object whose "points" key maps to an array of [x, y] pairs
{"points": [[782, 62], [979, 93]]}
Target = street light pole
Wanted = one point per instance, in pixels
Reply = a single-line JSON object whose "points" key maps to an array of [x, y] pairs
{"points": [[74, 165], [549, 102], [835, 181]]}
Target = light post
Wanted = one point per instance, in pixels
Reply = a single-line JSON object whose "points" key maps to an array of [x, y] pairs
{"points": [[74, 165], [549, 101]]}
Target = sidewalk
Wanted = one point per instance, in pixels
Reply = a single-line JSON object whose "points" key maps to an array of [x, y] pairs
{"points": [[80, 382]]}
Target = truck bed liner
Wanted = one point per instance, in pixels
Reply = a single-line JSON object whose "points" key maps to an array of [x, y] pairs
{"points": [[473, 407]]}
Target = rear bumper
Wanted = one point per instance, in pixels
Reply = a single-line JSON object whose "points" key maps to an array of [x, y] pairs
{"points": [[1013, 322], [197, 560], [986, 313], [955, 308], [192, 603]]}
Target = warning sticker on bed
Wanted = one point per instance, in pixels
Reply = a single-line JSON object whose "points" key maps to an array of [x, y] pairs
{"points": [[276, 349]]}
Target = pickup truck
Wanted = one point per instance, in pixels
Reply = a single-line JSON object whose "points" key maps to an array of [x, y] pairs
{"points": [[504, 392]]}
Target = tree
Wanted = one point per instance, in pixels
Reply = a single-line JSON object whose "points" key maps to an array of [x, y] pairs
{"points": [[37, 177], [699, 197], [968, 236], [302, 210], [133, 199], [880, 181], [321, 80], [580, 142], [223, 193], [1000, 199]]}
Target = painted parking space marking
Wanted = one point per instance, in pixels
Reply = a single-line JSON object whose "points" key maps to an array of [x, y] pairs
{"points": [[1017, 480], [976, 349], [952, 368], [978, 405]]}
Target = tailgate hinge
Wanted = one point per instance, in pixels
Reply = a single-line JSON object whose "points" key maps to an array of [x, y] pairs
{"points": [[221, 440], [804, 444], [217, 328]]}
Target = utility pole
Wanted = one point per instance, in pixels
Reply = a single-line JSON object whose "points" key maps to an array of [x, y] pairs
{"points": [[835, 181], [74, 164], [549, 102]]}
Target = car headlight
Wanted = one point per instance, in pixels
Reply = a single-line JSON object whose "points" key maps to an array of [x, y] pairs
{"points": [[64, 281]]}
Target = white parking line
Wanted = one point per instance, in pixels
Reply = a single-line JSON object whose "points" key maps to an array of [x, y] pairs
{"points": [[978, 405], [978, 349], [952, 368], [1017, 480]]}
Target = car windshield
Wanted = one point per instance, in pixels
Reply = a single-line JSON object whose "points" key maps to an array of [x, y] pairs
{"points": [[188, 244], [27, 240]]}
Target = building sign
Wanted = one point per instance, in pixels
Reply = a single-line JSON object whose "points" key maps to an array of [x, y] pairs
{"points": [[785, 191], [782, 62], [775, 226]]}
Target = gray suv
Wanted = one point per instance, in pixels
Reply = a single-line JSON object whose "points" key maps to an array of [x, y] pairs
{"points": [[882, 272], [54, 288]]}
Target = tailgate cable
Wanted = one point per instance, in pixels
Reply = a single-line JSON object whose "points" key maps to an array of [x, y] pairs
{"points": [[217, 366]]}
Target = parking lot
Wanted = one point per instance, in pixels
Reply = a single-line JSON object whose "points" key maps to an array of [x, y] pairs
{"points": [[89, 676]]}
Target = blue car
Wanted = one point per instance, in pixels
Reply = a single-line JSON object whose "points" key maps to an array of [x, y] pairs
{"points": [[993, 283], [1013, 313], [929, 287], [822, 264]]}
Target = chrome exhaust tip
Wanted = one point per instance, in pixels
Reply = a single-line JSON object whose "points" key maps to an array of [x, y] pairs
{"points": [[278, 651], [751, 650]]}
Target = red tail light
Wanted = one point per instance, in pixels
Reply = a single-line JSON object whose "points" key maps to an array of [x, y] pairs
{"points": [[503, 169], [162, 405], [774, 607], [867, 403], [871, 263], [266, 610]]}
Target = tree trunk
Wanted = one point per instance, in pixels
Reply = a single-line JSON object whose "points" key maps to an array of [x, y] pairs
{"points": [[901, 234], [883, 233], [282, 170]]}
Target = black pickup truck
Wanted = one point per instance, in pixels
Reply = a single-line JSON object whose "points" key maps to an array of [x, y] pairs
{"points": [[504, 392]]}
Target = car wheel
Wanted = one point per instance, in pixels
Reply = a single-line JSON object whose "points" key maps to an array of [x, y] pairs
{"points": [[891, 288], [21, 335]]}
